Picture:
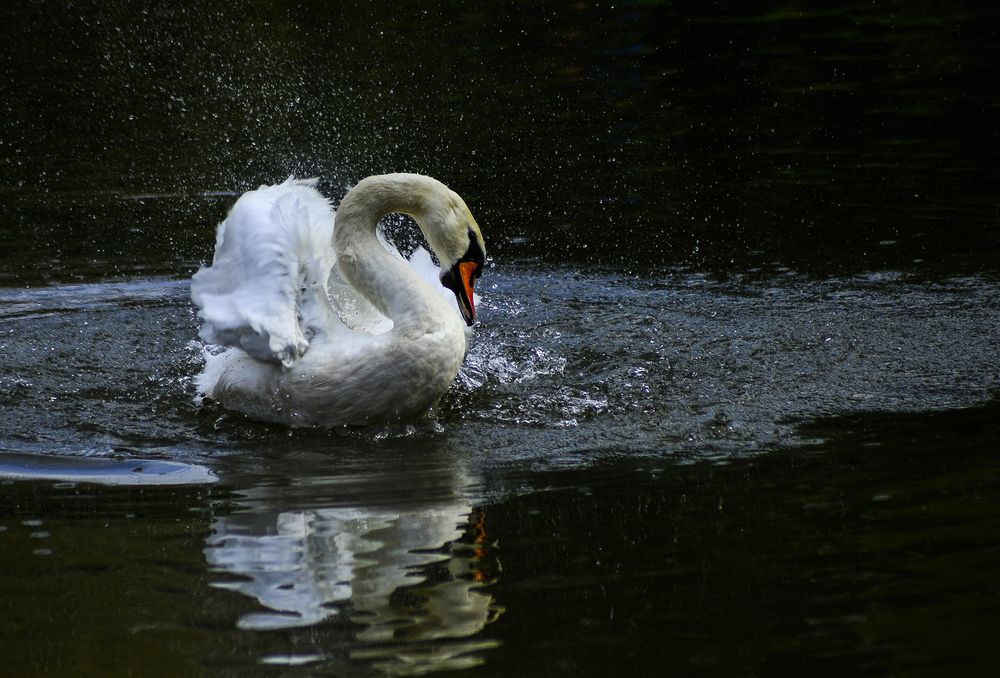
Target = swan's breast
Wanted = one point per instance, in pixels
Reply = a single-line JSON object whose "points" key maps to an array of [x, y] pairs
{"points": [[394, 376]]}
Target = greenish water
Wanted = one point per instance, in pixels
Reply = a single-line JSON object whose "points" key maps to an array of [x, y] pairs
{"points": [[731, 409]]}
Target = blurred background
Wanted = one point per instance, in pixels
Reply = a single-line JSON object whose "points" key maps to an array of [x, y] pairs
{"points": [[718, 136]]}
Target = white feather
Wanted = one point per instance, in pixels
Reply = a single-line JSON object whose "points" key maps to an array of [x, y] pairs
{"points": [[265, 291]]}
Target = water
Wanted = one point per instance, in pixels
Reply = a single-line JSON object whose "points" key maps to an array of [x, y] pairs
{"points": [[731, 409]]}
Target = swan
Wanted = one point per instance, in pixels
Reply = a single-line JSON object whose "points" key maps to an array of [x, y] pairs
{"points": [[324, 322]]}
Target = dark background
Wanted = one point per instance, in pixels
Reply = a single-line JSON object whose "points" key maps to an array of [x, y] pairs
{"points": [[775, 455], [720, 136]]}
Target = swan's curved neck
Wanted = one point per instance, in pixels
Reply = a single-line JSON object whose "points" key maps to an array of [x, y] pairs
{"points": [[386, 281]]}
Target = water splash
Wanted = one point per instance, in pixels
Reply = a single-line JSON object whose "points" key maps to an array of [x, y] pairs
{"points": [[681, 365]]}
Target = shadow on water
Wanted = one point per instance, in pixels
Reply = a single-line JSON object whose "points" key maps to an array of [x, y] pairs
{"points": [[374, 561], [872, 551], [410, 580]]}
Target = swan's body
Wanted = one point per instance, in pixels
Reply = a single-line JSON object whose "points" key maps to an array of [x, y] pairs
{"points": [[284, 280]]}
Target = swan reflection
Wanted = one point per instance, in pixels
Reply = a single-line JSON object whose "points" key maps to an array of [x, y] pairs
{"points": [[406, 576]]}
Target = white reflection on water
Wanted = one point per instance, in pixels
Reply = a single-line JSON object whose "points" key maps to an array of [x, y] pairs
{"points": [[101, 471], [405, 576]]}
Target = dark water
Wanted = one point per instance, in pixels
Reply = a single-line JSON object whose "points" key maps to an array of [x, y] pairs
{"points": [[732, 408]]}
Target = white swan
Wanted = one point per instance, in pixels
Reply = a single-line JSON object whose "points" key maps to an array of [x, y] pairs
{"points": [[282, 292]]}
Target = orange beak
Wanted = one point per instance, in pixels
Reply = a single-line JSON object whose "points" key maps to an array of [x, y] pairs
{"points": [[466, 271], [461, 279]]}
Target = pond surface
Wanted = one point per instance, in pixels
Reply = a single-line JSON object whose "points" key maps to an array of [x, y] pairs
{"points": [[732, 408]]}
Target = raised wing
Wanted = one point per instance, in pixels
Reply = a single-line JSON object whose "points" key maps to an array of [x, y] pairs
{"points": [[266, 288]]}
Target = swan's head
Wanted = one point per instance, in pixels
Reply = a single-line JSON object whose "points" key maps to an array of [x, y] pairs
{"points": [[442, 215], [454, 235]]}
